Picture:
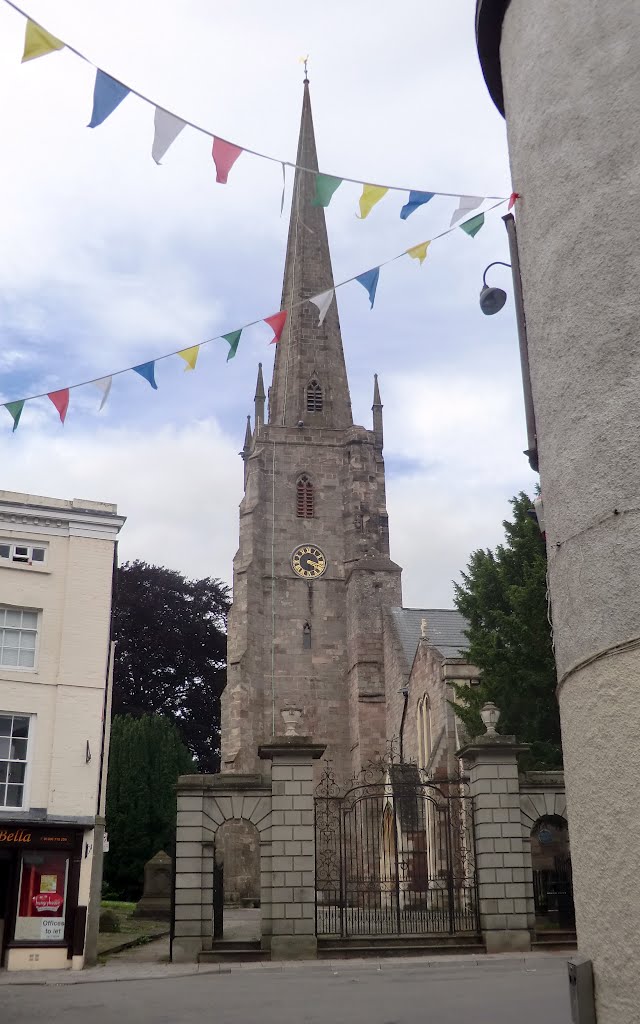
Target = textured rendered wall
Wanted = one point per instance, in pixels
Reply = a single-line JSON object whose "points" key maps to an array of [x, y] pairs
{"points": [[66, 689], [571, 75]]}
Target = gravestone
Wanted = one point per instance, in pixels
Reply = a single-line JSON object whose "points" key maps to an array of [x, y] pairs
{"points": [[156, 895]]}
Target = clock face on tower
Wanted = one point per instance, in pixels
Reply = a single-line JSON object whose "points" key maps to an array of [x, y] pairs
{"points": [[308, 562]]}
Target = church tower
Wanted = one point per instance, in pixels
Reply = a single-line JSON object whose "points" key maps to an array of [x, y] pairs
{"points": [[312, 574]]}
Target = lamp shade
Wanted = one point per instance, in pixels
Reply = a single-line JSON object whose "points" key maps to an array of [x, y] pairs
{"points": [[492, 300]]}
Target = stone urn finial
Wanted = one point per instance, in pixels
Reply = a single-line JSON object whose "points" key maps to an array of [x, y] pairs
{"points": [[291, 717], [490, 715]]}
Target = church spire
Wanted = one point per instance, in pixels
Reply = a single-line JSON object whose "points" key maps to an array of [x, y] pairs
{"points": [[308, 353], [376, 408], [259, 400]]}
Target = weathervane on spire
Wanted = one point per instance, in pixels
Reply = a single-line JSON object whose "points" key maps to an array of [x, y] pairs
{"points": [[305, 61]]}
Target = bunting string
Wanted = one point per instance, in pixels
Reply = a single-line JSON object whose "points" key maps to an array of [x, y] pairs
{"points": [[110, 92], [369, 279]]}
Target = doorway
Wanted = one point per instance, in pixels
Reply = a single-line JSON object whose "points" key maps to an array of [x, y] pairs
{"points": [[6, 876]]}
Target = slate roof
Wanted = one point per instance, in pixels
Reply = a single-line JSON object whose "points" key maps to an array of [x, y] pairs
{"points": [[445, 629]]}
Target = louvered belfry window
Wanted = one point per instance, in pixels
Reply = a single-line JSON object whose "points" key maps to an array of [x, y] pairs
{"points": [[304, 498], [314, 397]]}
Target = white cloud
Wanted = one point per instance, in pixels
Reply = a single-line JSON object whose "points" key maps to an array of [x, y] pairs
{"points": [[108, 260]]}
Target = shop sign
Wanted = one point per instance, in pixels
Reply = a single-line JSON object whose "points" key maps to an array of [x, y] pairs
{"points": [[13, 835], [52, 929], [48, 901]]}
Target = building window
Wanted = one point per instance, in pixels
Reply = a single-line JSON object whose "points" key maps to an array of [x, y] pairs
{"points": [[306, 637], [424, 731], [25, 554], [304, 498], [42, 897], [18, 633], [14, 739], [314, 396]]}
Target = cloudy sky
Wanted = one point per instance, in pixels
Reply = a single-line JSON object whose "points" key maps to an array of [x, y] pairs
{"points": [[109, 260]]}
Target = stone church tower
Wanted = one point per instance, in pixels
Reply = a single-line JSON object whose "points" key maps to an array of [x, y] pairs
{"points": [[312, 575]]}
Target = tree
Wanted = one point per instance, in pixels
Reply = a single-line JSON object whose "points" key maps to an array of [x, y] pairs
{"points": [[503, 596], [171, 652], [146, 757]]}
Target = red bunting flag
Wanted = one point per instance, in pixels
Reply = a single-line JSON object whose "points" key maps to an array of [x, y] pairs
{"points": [[224, 155], [61, 401], [276, 323], [512, 199]]}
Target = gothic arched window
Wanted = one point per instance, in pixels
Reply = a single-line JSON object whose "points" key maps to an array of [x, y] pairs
{"points": [[304, 498], [314, 396], [424, 731]]}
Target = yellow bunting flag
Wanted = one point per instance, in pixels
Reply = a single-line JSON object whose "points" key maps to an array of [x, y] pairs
{"points": [[371, 194], [419, 252], [190, 356], [37, 42]]}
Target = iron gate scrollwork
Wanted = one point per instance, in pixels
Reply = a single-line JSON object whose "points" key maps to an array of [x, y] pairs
{"points": [[395, 854]]}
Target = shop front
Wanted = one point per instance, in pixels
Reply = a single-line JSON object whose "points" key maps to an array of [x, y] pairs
{"points": [[39, 884]]}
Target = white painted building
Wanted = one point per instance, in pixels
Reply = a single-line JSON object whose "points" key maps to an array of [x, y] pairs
{"points": [[57, 561]]}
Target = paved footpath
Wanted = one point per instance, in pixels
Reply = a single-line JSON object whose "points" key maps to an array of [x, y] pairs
{"points": [[507, 989]]}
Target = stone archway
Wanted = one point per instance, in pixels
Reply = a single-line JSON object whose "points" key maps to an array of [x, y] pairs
{"points": [[205, 804]]}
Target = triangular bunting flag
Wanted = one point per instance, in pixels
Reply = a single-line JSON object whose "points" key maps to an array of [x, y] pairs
{"points": [[465, 205], [473, 226], [513, 198], [15, 411], [276, 323], [37, 42], [107, 94], [103, 385], [190, 356], [369, 280], [416, 199], [146, 370], [323, 301], [167, 128], [224, 155], [371, 194], [233, 339], [325, 187], [419, 252], [61, 401]]}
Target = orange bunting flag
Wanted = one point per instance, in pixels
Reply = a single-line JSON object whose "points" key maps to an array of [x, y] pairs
{"points": [[190, 356], [61, 401], [224, 156], [276, 323]]}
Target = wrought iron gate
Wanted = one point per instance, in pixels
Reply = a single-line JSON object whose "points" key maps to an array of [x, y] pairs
{"points": [[395, 854]]}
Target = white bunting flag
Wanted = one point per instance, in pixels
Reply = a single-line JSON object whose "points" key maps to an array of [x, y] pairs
{"points": [[322, 301], [167, 129], [104, 384], [465, 205]]}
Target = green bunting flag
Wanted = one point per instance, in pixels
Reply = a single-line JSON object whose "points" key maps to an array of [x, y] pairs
{"points": [[233, 339], [15, 411], [473, 225], [326, 185]]}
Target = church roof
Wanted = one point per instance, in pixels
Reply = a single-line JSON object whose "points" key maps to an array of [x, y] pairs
{"points": [[445, 629]]}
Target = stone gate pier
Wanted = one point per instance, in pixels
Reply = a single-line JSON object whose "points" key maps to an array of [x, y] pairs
{"points": [[280, 809]]}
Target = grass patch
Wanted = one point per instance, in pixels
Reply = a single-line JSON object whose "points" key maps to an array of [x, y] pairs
{"points": [[118, 905]]}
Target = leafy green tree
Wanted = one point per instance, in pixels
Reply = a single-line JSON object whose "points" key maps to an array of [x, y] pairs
{"points": [[171, 652], [503, 596], [146, 757]]}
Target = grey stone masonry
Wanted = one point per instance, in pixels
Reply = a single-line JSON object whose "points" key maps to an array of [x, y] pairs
{"points": [[505, 897], [293, 925], [204, 803]]}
